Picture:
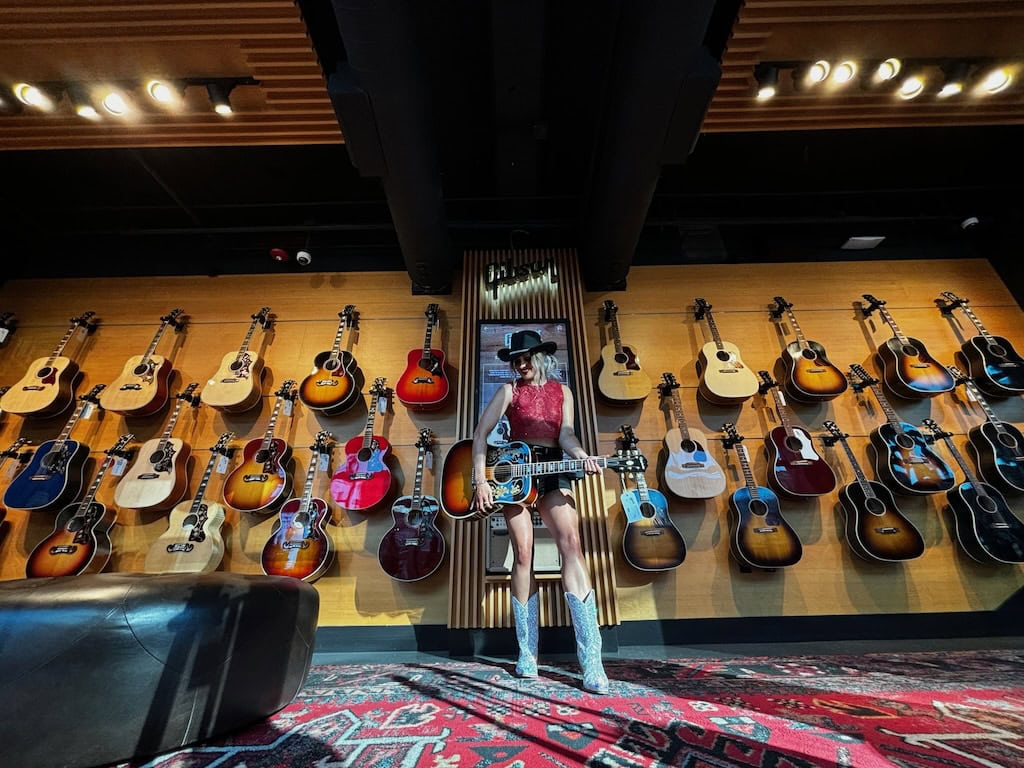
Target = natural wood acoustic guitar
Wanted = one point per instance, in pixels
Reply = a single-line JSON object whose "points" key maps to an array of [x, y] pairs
{"points": [[724, 378], [424, 385], [621, 380], [237, 385], [691, 471], [141, 389]]}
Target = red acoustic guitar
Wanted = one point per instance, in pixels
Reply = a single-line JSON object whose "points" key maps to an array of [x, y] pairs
{"points": [[364, 479], [262, 479], [141, 388], [424, 384], [299, 545]]}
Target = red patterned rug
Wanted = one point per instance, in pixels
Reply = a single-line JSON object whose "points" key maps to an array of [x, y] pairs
{"points": [[960, 709]]}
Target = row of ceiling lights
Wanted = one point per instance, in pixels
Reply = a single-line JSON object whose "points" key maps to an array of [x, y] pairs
{"points": [[984, 78], [116, 100]]}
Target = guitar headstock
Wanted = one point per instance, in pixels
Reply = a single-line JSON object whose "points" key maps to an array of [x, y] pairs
{"points": [[952, 302], [287, 390], [349, 316], [264, 318], [873, 304], [12, 451], [322, 442], [732, 437], [629, 439], [118, 448], [609, 309], [93, 395], [426, 440], [834, 432], [959, 377], [85, 320], [700, 308], [187, 394], [380, 386], [937, 432], [432, 313], [860, 378], [668, 383], [222, 444], [779, 307], [171, 319], [767, 382]]}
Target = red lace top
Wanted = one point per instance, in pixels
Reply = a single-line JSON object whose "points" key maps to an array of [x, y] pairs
{"points": [[535, 412]]}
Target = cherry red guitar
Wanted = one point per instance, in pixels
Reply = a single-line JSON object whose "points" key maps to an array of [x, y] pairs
{"points": [[424, 385], [364, 479]]}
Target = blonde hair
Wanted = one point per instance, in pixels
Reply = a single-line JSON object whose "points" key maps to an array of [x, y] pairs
{"points": [[545, 367]]}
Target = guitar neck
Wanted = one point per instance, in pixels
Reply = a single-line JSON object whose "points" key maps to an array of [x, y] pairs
{"points": [[892, 324], [713, 326], [994, 420], [307, 491], [890, 415], [748, 475], [248, 337], [368, 432], [862, 479], [616, 339], [427, 338], [268, 436], [782, 411], [964, 466], [677, 412], [336, 345], [197, 500], [550, 467], [62, 343], [156, 340], [977, 323], [417, 487], [641, 486], [800, 339]]}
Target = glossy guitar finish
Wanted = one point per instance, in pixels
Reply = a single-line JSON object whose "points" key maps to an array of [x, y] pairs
{"points": [[997, 445], [141, 389], [690, 471], [992, 362], [621, 380], [80, 541], [237, 385], [908, 370], [364, 478], [810, 375], [724, 378], [651, 541], [56, 472], [414, 547], [299, 545], [424, 385], [331, 387]]}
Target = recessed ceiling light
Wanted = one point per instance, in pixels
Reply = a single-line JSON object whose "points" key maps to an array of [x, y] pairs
{"points": [[997, 80], [911, 88], [844, 72], [115, 103], [818, 71], [888, 69], [33, 96], [160, 92]]}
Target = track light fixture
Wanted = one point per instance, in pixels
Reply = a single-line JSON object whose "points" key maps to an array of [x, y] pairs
{"points": [[767, 77], [220, 92]]}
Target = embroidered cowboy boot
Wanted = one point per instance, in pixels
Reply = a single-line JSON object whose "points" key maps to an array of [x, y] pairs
{"points": [[588, 641], [526, 618]]}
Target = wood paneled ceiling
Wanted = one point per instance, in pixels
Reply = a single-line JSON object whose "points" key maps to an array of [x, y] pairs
{"points": [[116, 40]]}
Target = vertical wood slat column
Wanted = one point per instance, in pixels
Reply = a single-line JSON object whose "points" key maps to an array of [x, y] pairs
{"points": [[476, 602]]}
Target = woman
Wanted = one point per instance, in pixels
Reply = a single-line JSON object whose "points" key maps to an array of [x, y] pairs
{"points": [[540, 413]]}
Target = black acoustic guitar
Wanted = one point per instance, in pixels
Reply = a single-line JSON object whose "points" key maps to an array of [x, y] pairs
{"points": [[992, 362], [985, 526], [875, 528]]}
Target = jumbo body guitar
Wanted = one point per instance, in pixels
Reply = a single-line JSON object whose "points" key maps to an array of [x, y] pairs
{"points": [[56, 472], [724, 378], [794, 467], [262, 479], [651, 541], [80, 541], [992, 362], [413, 548], [908, 370], [331, 387], [193, 542], [985, 526], [238, 383], [47, 389], [158, 477], [141, 388], [621, 380], [759, 536], [997, 445], [299, 545], [690, 471], [424, 386], [875, 527], [364, 479], [810, 375]]}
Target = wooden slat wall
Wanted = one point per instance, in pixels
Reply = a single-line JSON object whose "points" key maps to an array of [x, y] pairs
{"points": [[477, 601]]}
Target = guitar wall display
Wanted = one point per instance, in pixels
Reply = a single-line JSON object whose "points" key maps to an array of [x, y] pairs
{"points": [[158, 478], [141, 389], [299, 545], [193, 542], [414, 547], [690, 471], [364, 479], [263, 479], [424, 385], [908, 370], [998, 445], [875, 528], [80, 541], [651, 541], [47, 389], [237, 385], [985, 526], [810, 375], [331, 388], [724, 378], [759, 536], [992, 362], [794, 466], [56, 472], [903, 458], [621, 380]]}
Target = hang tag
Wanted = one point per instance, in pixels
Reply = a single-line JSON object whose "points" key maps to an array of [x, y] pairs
{"points": [[782, 397], [222, 464], [118, 467], [970, 394], [382, 404], [325, 461], [88, 409], [428, 460], [4, 332], [287, 408]]}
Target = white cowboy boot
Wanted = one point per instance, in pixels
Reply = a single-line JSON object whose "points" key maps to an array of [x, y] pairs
{"points": [[526, 618], [588, 641]]}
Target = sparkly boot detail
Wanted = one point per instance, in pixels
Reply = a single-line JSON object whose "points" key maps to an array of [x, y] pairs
{"points": [[526, 633], [588, 641]]}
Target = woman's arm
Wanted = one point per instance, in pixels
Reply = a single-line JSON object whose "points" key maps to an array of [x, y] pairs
{"points": [[567, 439], [488, 420]]}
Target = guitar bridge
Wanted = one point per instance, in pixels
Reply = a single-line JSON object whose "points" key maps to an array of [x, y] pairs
{"points": [[360, 476], [64, 549], [326, 383], [622, 373], [32, 388], [888, 530], [148, 476], [693, 465], [229, 381], [255, 478], [423, 380], [126, 387], [771, 529], [295, 545], [657, 532], [173, 549]]}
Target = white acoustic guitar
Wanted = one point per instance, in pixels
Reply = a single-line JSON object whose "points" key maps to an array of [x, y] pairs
{"points": [[724, 378], [691, 472], [238, 384]]}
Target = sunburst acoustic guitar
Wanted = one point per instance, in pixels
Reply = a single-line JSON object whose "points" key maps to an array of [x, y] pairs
{"points": [[237, 385], [992, 362], [331, 387], [424, 385], [724, 378], [810, 375], [621, 380], [141, 389], [48, 387]]}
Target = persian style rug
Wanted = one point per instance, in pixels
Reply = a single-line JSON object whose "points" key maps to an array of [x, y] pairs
{"points": [[961, 709]]}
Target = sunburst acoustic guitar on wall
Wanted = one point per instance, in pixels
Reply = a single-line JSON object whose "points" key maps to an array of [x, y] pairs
{"points": [[141, 389], [331, 388], [424, 385], [992, 362], [690, 471], [621, 380], [724, 378], [48, 387], [810, 375], [237, 385]]}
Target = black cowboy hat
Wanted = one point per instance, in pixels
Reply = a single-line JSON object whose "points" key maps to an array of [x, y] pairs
{"points": [[525, 343]]}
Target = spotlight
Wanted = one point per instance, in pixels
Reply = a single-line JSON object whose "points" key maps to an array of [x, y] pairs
{"points": [[163, 92], [844, 72], [911, 88], [767, 78], [818, 71], [33, 96], [996, 80], [115, 103], [219, 92], [81, 102], [956, 75], [304, 258], [888, 69]]}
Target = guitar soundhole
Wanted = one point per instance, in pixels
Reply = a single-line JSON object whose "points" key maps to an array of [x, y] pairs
{"points": [[76, 524], [414, 517], [262, 457], [1008, 440], [689, 446], [987, 504], [331, 364], [794, 444], [621, 358], [723, 355], [190, 521], [140, 370], [809, 354], [300, 520], [648, 510], [905, 442], [156, 457], [910, 350], [997, 350], [365, 454], [758, 507], [235, 365], [502, 473], [42, 373], [874, 506]]}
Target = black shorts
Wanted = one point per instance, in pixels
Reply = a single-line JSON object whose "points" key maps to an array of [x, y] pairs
{"points": [[545, 483]]}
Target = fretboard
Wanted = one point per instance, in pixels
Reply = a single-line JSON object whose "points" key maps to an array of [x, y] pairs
{"points": [[615, 333], [782, 411], [796, 328], [748, 475], [677, 411], [977, 323], [892, 324], [63, 343], [714, 329], [307, 492], [268, 436], [989, 413], [248, 337], [862, 479], [890, 415]]}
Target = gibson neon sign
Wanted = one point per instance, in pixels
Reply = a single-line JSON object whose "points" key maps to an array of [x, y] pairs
{"points": [[508, 273]]}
